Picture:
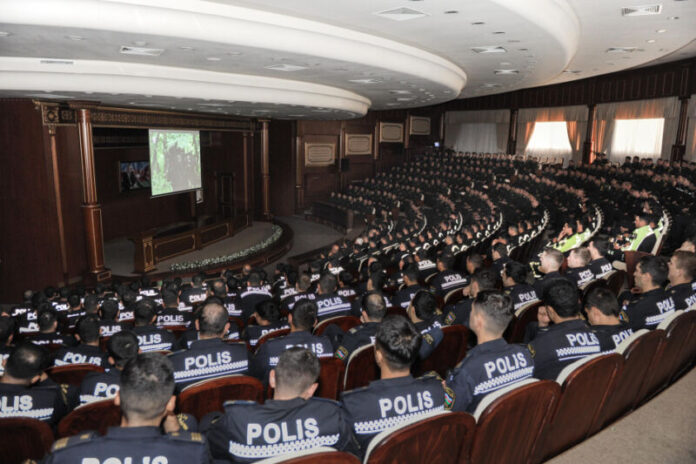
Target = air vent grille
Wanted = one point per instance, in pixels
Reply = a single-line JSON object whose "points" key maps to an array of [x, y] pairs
{"points": [[643, 10]]}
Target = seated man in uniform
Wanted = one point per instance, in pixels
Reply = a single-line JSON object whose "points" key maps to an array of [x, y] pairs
{"points": [[209, 356], [48, 330], [551, 261], [485, 279], [499, 255], [396, 397], [330, 303], [268, 320], [253, 295], [302, 320], [170, 315], [373, 311], [682, 271], [150, 337], [569, 337], [515, 282], [88, 350], [603, 311], [599, 265], [645, 310], [579, 266], [97, 386], [404, 296], [304, 282], [643, 237], [447, 278], [109, 325], [146, 397], [21, 394], [423, 313], [292, 421], [493, 363]]}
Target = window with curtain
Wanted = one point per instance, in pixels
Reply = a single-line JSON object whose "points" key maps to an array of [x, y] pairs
{"points": [[550, 139], [638, 137], [476, 137]]}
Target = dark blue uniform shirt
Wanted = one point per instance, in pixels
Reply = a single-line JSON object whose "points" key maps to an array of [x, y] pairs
{"points": [[267, 355], [647, 310], [207, 359], [332, 305]]}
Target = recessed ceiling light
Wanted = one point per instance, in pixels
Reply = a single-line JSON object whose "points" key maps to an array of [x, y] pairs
{"points": [[513, 41], [489, 49], [620, 49], [661, 31], [401, 14], [651, 41], [506, 71], [126, 50], [478, 23], [190, 109], [4, 34], [366, 81], [212, 58], [400, 92], [446, 91], [405, 99], [643, 10], [671, 18], [505, 63], [186, 48], [572, 71], [523, 49], [452, 12], [74, 37], [285, 67]]}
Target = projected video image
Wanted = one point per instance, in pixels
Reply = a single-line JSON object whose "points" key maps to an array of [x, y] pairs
{"points": [[175, 161]]}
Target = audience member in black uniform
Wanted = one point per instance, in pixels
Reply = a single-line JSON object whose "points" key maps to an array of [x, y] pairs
{"points": [[7, 328], [499, 255], [292, 421], [209, 356], [109, 325], [170, 315], [96, 386], [493, 363], [423, 313], [373, 311], [253, 295], [396, 397], [516, 284], [403, 297], [599, 265], [603, 312], [304, 283], [484, 279], [682, 271], [345, 281], [146, 398], [551, 262], [447, 279], [302, 320], [48, 330], [268, 320], [645, 310], [74, 312], [196, 294], [568, 338], [579, 270], [150, 338], [21, 394], [88, 350], [330, 303], [218, 289]]}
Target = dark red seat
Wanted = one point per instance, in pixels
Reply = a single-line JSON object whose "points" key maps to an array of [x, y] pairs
{"points": [[271, 336], [396, 311], [200, 398], [585, 385], [72, 374], [687, 354], [450, 351], [178, 330], [510, 421], [97, 416], [345, 323], [439, 438], [322, 455], [23, 438], [361, 368], [615, 281], [522, 318], [454, 296], [330, 378]]}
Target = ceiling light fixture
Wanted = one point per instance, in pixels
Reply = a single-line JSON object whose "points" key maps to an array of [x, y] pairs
{"points": [[401, 14], [452, 12], [213, 58], [4, 34], [126, 50], [489, 49], [506, 71], [498, 32], [186, 48], [643, 10], [366, 81], [651, 41], [673, 18], [661, 31], [285, 67], [75, 37]]}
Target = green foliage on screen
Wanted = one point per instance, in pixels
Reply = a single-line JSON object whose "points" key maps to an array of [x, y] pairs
{"points": [[175, 161]]}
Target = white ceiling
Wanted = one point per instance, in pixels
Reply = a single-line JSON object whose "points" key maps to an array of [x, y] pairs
{"points": [[340, 58]]}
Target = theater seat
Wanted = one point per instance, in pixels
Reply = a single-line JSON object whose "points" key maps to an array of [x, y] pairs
{"points": [[344, 322], [450, 351], [361, 368], [686, 355], [23, 438], [200, 398], [510, 420], [440, 437], [585, 385], [523, 317], [454, 296], [330, 378], [638, 351], [615, 281], [321, 454], [97, 416], [272, 335], [597, 283], [72, 374]]}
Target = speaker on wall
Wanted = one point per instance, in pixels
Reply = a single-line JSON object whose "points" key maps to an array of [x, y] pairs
{"points": [[345, 165]]}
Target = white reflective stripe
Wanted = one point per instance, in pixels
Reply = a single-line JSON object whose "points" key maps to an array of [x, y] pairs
{"points": [[498, 382], [565, 353], [211, 371], [265, 451], [379, 425], [155, 347], [40, 414]]}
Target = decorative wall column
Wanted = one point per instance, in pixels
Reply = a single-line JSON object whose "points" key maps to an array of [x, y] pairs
{"points": [[587, 155], [679, 147], [299, 175], [512, 132], [265, 172], [91, 208], [59, 202]]}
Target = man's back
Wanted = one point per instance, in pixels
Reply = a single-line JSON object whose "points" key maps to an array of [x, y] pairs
{"points": [[647, 310], [207, 359], [521, 294], [249, 299], [267, 355], [37, 402], [404, 296], [601, 267], [447, 281], [81, 354], [331, 305], [150, 338], [97, 386]]}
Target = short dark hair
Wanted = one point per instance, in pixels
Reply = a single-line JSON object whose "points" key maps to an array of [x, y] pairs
{"points": [[123, 346], [345, 277], [447, 260], [47, 318], [604, 300], [254, 278], [109, 309], [398, 341], [268, 310], [487, 279], [476, 260], [373, 304], [291, 277], [327, 282], [219, 289], [26, 361], [91, 304], [601, 244], [7, 328], [655, 267], [686, 261], [169, 298], [74, 300], [517, 272], [304, 314], [147, 384], [424, 304], [144, 311], [88, 328], [500, 248], [377, 279], [297, 369], [212, 319], [197, 279], [128, 296], [411, 272], [562, 295], [555, 255], [496, 307]]}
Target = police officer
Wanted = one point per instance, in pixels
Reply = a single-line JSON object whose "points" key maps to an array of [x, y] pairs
{"points": [[21, 395], [423, 313], [88, 350], [603, 312], [396, 397], [254, 294], [268, 320], [122, 347], [209, 356], [171, 315], [292, 421], [329, 303], [493, 363], [145, 397], [196, 294], [374, 309], [515, 277], [304, 283], [551, 262], [653, 304], [403, 297], [484, 279], [109, 314], [599, 265], [568, 339], [499, 255], [682, 271], [302, 320], [447, 279], [579, 267], [48, 330], [150, 337], [7, 327]]}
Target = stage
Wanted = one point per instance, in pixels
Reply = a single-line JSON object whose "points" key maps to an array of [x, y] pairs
{"points": [[118, 254]]}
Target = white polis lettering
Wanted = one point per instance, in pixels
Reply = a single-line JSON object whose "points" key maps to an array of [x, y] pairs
{"points": [[15, 403], [105, 389], [505, 364], [317, 348], [170, 318], [77, 358], [329, 302], [452, 278], [690, 301], [284, 431], [207, 360], [666, 306], [606, 268], [528, 296], [197, 298], [149, 339], [621, 336], [586, 276], [582, 339], [127, 460], [403, 404]]}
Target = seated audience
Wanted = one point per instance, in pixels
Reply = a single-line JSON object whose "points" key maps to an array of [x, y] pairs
{"points": [[88, 350], [48, 330], [682, 271], [551, 262], [373, 311], [330, 303], [268, 320], [579, 270], [403, 297], [516, 284], [485, 279], [649, 307], [170, 315], [603, 312], [447, 279], [109, 314], [254, 294], [423, 313], [599, 265], [499, 255], [150, 338]]}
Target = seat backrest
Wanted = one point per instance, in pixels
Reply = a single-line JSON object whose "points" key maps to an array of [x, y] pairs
{"points": [[321, 454], [448, 352], [272, 335], [23, 438], [688, 351], [72, 374], [439, 437], [632, 258], [330, 378], [585, 385], [344, 322], [597, 283], [453, 296], [638, 351], [522, 318], [361, 368], [209, 395], [97, 416], [510, 420], [615, 281]]}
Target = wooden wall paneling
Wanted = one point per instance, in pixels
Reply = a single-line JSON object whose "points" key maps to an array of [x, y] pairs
{"points": [[282, 160]]}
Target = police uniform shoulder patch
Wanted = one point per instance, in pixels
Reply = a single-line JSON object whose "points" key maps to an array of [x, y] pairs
{"points": [[449, 319], [341, 353], [427, 338], [67, 442], [531, 349], [450, 397], [186, 436], [623, 316]]}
